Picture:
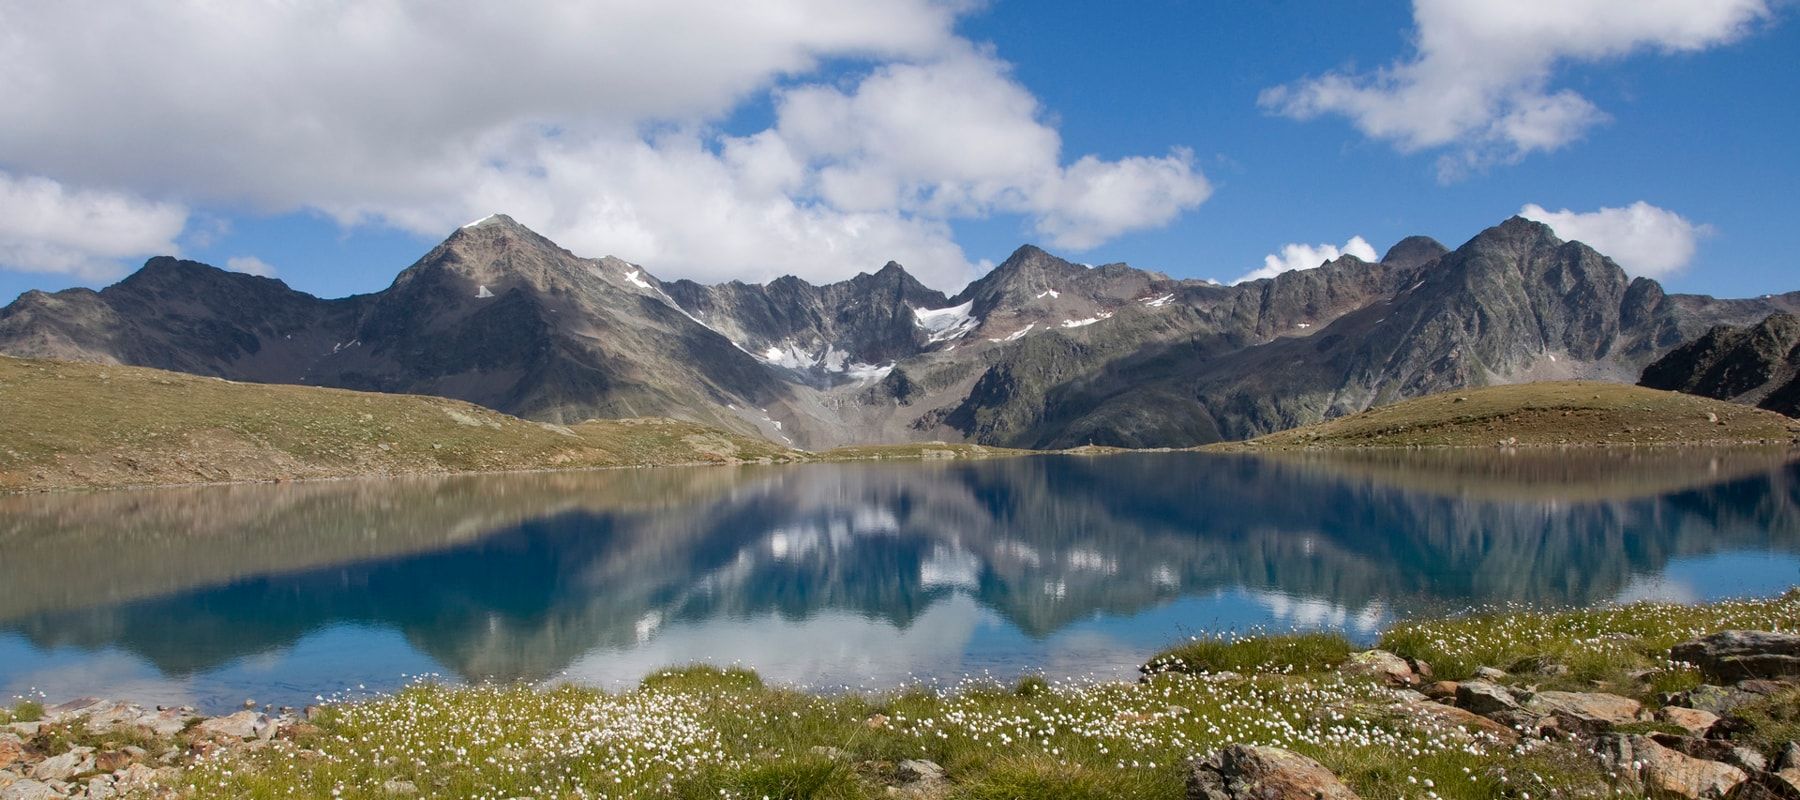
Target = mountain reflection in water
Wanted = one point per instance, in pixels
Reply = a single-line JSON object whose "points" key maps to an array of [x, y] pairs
{"points": [[866, 574]]}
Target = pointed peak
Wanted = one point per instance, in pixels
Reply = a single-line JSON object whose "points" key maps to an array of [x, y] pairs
{"points": [[493, 219], [1413, 251]]}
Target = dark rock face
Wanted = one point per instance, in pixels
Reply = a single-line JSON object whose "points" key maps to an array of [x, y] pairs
{"points": [[1245, 772], [1757, 364], [1040, 352], [1731, 656]]}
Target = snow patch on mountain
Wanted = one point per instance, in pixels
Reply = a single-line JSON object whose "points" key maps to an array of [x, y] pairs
{"points": [[1079, 323], [944, 324], [637, 281]]}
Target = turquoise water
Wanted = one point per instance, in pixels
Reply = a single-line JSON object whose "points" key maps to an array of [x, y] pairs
{"points": [[863, 575]]}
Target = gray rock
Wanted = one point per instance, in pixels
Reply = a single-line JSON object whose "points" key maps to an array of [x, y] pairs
{"points": [[920, 771], [102, 787], [65, 766], [241, 725], [1381, 665], [1718, 700], [1668, 773], [1731, 656], [29, 789], [1692, 720], [1244, 772], [1490, 674], [399, 787], [1790, 757], [1485, 697], [1587, 711], [1714, 750]]}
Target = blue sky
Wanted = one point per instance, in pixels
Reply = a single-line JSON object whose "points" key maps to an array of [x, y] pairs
{"points": [[1170, 97]]}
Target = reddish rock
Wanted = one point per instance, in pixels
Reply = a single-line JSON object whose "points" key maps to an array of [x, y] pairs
{"points": [[1243, 772]]}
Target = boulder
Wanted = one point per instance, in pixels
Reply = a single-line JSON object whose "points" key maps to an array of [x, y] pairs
{"points": [[1714, 750], [102, 787], [79, 707], [1381, 665], [1667, 773], [920, 771], [1485, 697], [134, 778], [241, 725], [1439, 690], [1490, 674], [1730, 656], [1244, 772], [12, 750], [1692, 720], [1586, 711], [1719, 700], [1467, 720], [65, 766], [1783, 785], [921, 779], [164, 723], [29, 789]]}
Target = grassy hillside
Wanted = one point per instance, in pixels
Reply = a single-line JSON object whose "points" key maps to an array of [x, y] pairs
{"points": [[84, 425], [76, 425], [1543, 414]]}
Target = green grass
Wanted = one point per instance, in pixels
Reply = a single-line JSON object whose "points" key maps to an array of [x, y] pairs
{"points": [[1575, 413], [1600, 645], [707, 732], [74, 425], [23, 711], [695, 734], [1772, 722], [1297, 652]]}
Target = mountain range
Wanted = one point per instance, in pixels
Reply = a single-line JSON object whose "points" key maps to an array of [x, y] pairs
{"points": [[1040, 352]]}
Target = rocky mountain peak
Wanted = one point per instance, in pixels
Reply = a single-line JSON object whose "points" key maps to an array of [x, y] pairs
{"points": [[1414, 251]]}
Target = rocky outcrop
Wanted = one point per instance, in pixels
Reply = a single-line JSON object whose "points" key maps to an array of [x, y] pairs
{"points": [[1756, 364], [41, 760], [1245, 772], [1664, 772], [1587, 711], [1731, 656]]}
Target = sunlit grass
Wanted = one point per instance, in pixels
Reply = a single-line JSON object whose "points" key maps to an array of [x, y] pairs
{"points": [[1295, 652], [1599, 644], [711, 733], [707, 732]]}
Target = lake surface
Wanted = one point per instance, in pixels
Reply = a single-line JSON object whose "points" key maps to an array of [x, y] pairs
{"points": [[866, 575]]}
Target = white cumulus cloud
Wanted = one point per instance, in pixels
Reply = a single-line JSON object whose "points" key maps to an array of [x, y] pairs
{"points": [[47, 227], [250, 265], [597, 123], [1645, 240], [1309, 256], [1479, 83]]}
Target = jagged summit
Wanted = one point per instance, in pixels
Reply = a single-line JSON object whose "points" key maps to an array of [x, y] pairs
{"points": [[1039, 352]]}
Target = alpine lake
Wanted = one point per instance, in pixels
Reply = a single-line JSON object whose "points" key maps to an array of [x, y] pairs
{"points": [[861, 575]]}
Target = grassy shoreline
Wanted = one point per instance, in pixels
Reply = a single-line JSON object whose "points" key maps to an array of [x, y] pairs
{"points": [[721, 733], [1562, 414], [78, 426]]}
